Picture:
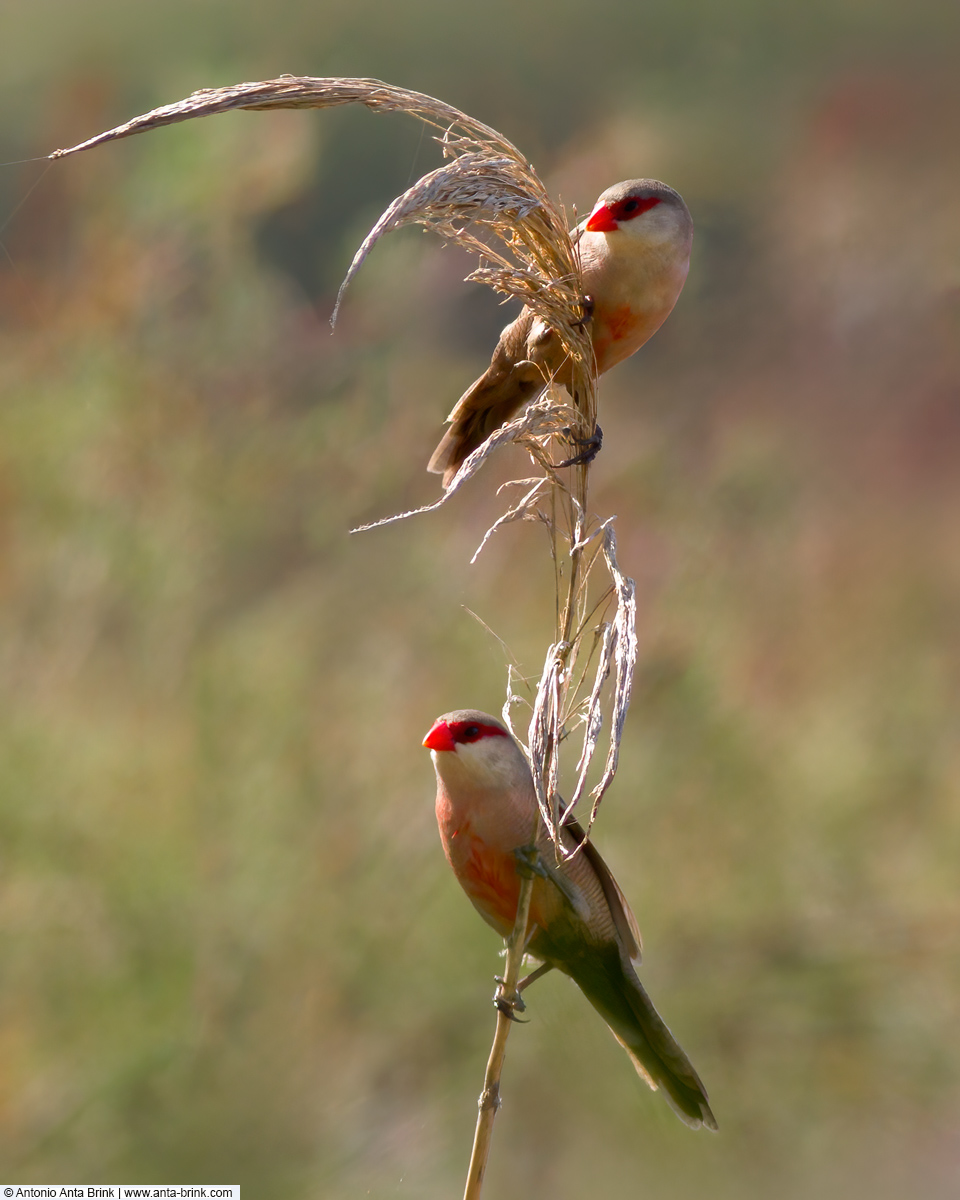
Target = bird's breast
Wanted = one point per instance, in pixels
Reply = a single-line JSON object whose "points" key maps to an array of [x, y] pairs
{"points": [[487, 872], [634, 290], [621, 331]]}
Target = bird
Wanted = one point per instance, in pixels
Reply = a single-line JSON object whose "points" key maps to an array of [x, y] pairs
{"points": [[634, 253], [580, 922]]}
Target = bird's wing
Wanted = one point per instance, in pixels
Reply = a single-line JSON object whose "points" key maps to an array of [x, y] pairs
{"points": [[623, 918]]}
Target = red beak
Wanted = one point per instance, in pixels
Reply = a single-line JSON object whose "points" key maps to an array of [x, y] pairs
{"points": [[602, 220], [440, 738]]}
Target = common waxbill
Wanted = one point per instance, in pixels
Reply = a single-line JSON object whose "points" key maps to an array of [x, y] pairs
{"points": [[580, 922], [634, 253]]}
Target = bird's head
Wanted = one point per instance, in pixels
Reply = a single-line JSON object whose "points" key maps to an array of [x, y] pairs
{"points": [[642, 209], [469, 746]]}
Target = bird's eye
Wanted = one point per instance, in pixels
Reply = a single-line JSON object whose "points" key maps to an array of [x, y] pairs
{"points": [[465, 732], [635, 206]]}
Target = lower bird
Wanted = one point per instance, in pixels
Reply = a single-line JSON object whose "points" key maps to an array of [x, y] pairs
{"points": [[634, 251], [580, 922]]}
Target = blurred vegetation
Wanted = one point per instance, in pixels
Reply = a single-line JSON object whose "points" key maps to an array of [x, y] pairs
{"points": [[231, 949]]}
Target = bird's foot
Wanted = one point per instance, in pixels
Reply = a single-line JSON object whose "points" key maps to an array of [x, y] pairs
{"points": [[529, 864], [590, 448], [534, 976], [587, 305], [508, 1003]]}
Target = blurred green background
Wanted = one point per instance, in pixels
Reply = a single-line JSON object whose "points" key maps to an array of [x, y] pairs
{"points": [[231, 948]]}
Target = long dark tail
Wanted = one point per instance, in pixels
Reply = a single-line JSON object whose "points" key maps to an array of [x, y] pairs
{"points": [[486, 405], [618, 996], [454, 447], [471, 425]]}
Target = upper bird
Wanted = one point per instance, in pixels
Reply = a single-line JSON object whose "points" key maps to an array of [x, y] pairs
{"points": [[634, 253], [579, 919]]}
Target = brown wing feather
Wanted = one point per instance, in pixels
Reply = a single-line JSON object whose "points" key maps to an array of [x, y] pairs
{"points": [[620, 910], [521, 367]]}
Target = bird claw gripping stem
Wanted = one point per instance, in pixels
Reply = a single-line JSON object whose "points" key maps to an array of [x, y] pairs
{"points": [[508, 1005], [590, 447], [529, 864], [587, 304]]}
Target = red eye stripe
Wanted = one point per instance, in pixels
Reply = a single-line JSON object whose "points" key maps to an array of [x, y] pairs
{"points": [[447, 735], [464, 732], [633, 206]]}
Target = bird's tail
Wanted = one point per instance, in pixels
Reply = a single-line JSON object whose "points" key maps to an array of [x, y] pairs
{"points": [[448, 457], [638, 1027], [487, 404], [475, 417]]}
